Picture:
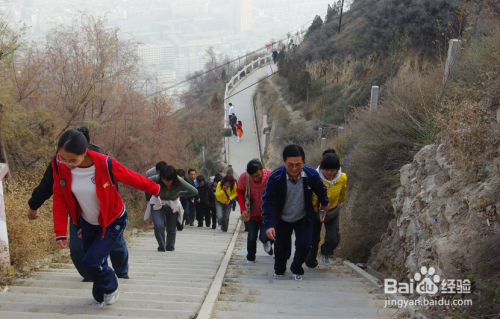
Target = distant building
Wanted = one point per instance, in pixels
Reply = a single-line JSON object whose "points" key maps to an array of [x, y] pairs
{"points": [[157, 54], [241, 15]]}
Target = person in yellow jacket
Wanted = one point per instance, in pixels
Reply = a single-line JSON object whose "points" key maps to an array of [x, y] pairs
{"points": [[335, 182], [225, 193]]}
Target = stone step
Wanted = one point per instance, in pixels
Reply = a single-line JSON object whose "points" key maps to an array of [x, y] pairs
{"points": [[133, 281], [218, 314], [159, 270], [305, 310], [294, 287], [27, 315], [89, 310], [313, 300], [136, 275], [321, 279], [264, 293], [35, 299], [167, 288], [124, 295]]}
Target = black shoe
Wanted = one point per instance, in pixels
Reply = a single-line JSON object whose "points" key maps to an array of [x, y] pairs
{"points": [[191, 224], [214, 227], [312, 263], [87, 280], [159, 249], [123, 276], [200, 225], [171, 249]]}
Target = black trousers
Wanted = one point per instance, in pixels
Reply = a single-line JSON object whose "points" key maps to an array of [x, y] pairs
{"points": [[282, 245], [203, 212], [332, 238]]}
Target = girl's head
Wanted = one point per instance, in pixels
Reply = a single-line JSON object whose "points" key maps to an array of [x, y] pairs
{"points": [[228, 181], [72, 148], [330, 164], [254, 169], [239, 122], [217, 179], [168, 176]]}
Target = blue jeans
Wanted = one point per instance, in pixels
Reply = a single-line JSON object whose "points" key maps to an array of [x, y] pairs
{"points": [[223, 212], [118, 255], [255, 228], [283, 243], [97, 248]]}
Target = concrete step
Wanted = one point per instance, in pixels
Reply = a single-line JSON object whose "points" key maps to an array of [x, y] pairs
{"points": [[86, 308], [124, 295], [292, 285], [155, 281], [317, 300], [217, 314], [167, 288], [36, 299], [123, 284], [305, 309], [135, 274], [269, 294], [27, 315]]}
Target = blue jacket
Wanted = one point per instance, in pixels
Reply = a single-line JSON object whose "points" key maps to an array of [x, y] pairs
{"points": [[273, 200]]}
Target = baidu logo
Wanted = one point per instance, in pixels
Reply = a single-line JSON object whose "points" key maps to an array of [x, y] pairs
{"points": [[426, 281], [427, 284]]}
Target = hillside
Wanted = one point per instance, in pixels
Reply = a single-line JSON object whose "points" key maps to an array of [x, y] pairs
{"points": [[422, 167]]}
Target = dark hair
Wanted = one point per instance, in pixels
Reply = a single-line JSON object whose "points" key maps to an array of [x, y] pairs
{"points": [[85, 131], [228, 179], [254, 166], [160, 165], [168, 172], [330, 161], [73, 141], [200, 178], [230, 166], [181, 172], [329, 151], [230, 103], [217, 178], [239, 122], [191, 170], [294, 151]]}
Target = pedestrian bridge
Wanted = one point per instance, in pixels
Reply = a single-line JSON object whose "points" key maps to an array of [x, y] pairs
{"points": [[207, 275]]}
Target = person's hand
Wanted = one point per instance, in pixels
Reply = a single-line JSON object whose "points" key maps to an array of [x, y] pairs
{"points": [[32, 214], [198, 200], [80, 233], [325, 208], [63, 243], [244, 214], [271, 233], [228, 202]]}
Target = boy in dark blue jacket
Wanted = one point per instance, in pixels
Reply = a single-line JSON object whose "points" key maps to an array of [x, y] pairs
{"points": [[287, 206]]}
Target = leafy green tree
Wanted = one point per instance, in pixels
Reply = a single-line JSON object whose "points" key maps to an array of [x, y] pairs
{"points": [[315, 25]]}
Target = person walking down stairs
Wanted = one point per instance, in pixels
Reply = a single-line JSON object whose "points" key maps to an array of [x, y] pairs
{"points": [[85, 188], [335, 182], [251, 185], [239, 130]]}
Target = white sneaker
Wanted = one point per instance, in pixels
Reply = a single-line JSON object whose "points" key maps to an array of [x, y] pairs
{"points": [[297, 277], [111, 298], [250, 262], [219, 227], [98, 304], [268, 248], [278, 276], [325, 259]]}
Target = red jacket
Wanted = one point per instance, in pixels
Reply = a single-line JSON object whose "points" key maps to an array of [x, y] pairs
{"points": [[109, 198]]}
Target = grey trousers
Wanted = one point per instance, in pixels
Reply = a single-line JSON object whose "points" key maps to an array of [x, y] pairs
{"points": [[223, 212], [164, 218], [332, 237]]}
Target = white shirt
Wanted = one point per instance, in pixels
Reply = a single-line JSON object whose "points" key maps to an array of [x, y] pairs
{"points": [[231, 110], [83, 187]]}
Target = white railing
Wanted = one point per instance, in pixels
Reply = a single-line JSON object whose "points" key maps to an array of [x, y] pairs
{"points": [[232, 83]]}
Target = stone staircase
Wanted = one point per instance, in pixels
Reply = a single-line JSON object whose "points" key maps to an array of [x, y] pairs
{"points": [[250, 291], [161, 284]]}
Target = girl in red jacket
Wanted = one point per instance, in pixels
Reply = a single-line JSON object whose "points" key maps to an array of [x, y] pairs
{"points": [[85, 187], [239, 130]]}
